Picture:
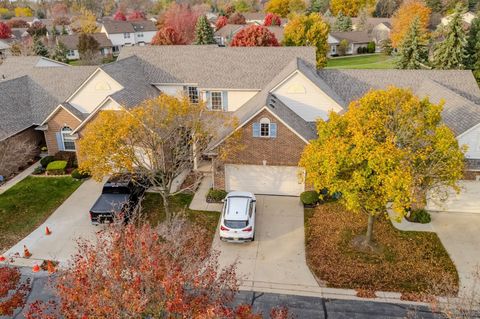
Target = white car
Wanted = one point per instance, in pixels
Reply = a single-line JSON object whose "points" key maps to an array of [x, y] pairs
{"points": [[238, 217]]}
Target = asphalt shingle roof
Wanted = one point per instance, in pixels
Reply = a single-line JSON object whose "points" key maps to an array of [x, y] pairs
{"points": [[112, 26], [211, 66], [352, 36], [71, 41]]}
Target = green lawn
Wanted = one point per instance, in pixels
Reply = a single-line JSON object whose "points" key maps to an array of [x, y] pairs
{"points": [[29, 203], [371, 61], [153, 212]]}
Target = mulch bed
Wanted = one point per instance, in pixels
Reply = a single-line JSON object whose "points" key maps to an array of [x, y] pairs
{"points": [[408, 262]]}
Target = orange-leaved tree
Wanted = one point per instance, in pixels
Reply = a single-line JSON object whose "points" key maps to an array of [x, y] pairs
{"points": [[160, 139], [389, 146], [13, 290], [137, 271], [254, 36], [404, 17]]}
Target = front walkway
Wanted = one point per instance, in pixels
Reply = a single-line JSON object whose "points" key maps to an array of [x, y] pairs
{"points": [[199, 201], [29, 170], [70, 221]]}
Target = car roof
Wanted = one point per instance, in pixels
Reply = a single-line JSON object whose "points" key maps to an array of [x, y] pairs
{"points": [[237, 208], [240, 194]]}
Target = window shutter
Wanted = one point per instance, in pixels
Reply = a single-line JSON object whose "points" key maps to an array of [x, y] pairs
{"points": [[60, 141], [256, 129], [273, 129], [225, 100], [209, 100]]}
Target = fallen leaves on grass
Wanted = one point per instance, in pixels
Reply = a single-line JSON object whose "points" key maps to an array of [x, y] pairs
{"points": [[409, 262]]}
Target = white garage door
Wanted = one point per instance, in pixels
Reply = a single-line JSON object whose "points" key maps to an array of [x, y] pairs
{"points": [[270, 180]]}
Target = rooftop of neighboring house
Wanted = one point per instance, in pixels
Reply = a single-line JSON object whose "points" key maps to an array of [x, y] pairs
{"points": [[112, 26], [71, 41], [4, 45], [229, 30], [352, 36], [260, 16], [31, 87]]}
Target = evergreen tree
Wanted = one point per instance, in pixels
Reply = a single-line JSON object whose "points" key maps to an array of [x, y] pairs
{"points": [[435, 5], [54, 32], [60, 53], [413, 51], [451, 52], [39, 48], [203, 31], [342, 23], [320, 6], [472, 61], [64, 30]]}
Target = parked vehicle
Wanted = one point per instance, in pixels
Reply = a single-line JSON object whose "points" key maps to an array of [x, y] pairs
{"points": [[238, 217], [120, 196]]}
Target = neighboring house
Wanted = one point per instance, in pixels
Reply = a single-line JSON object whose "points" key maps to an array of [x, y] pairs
{"points": [[355, 39], [224, 35], [467, 18], [381, 32], [259, 18], [30, 88], [276, 95], [71, 42], [127, 33], [19, 34]]}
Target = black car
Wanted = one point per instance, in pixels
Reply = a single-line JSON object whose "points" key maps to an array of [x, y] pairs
{"points": [[120, 196]]}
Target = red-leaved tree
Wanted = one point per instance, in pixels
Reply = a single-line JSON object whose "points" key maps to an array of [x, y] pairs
{"points": [[143, 272], [182, 18], [254, 36], [272, 19], [17, 23], [13, 290], [62, 20], [221, 22], [167, 36], [135, 16], [119, 16], [5, 31], [237, 18], [59, 9]]}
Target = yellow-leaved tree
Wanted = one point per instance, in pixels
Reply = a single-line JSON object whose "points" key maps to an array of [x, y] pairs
{"points": [[308, 30], [87, 21], [23, 12], [404, 17], [285, 7], [350, 8], [160, 139], [389, 146]]}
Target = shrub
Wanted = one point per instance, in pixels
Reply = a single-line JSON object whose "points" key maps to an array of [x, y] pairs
{"points": [[419, 216], [79, 175], [371, 47], [69, 157], [39, 170], [46, 160], [309, 198], [216, 195], [56, 167]]}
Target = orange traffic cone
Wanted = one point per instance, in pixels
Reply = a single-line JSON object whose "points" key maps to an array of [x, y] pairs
{"points": [[26, 252], [50, 267], [36, 268], [2, 258], [47, 231]]}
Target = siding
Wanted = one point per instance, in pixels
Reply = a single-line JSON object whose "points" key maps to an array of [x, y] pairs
{"points": [[472, 140], [55, 124]]}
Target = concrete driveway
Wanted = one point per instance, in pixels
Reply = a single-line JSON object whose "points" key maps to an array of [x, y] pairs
{"points": [[275, 261], [460, 234], [467, 201], [70, 221]]}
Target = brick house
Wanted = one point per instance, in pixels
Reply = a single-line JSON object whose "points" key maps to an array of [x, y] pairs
{"points": [[275, 94]]}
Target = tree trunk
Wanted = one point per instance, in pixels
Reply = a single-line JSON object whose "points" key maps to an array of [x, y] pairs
{"points": [[369, 235], [166, 207], [419, 198]]}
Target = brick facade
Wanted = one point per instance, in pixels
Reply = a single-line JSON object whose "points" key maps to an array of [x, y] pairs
{"points": [[283, 150], [61, 119]]}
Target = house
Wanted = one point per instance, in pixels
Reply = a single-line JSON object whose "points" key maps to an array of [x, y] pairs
{"points": [[259, 18], [30, 88], [355, 39], [126, 33], [4, 49], [381, 32], [71, 42], [275, 93], [467, 18]]}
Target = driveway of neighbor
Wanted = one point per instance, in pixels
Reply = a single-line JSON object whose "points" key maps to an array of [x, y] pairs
{"points": [[460, 234], [70, 221], [275, 261], [467, 201]]}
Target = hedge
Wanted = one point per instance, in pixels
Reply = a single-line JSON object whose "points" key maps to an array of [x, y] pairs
{"points": [[56, 167]]}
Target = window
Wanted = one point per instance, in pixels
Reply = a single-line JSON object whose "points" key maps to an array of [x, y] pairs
{"points": [[68, 139], [126, 35], [217, 103], [71, 53], [140, 34], [265, 128], [192, 92]]}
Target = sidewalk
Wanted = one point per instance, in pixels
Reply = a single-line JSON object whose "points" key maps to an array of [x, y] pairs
{"points": [[199, 201], [405, 225], [9, 184]]}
